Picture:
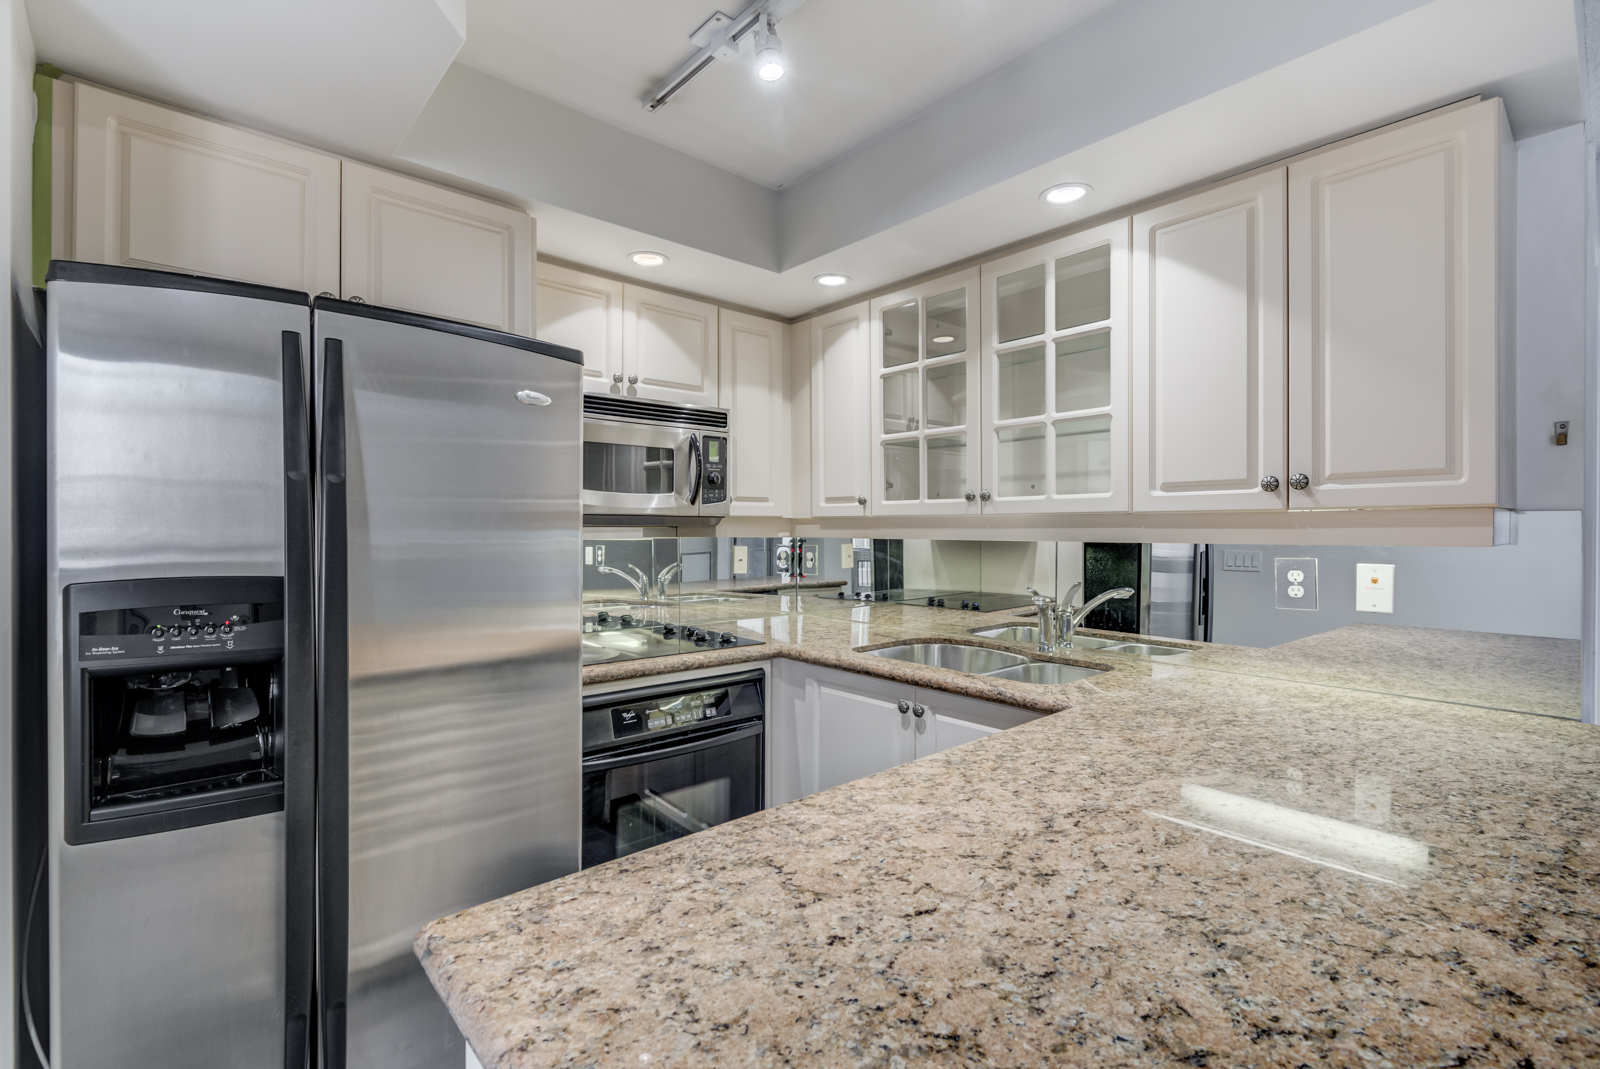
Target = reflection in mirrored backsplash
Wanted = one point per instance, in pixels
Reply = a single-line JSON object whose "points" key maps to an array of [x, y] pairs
{"points": [[1495, 627]]}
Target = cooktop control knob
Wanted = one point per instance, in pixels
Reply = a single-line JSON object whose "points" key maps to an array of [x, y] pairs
{"points": [[668, 631], [601, 617], [727, 638], [627, 621], [930, 601], [941, 603]]}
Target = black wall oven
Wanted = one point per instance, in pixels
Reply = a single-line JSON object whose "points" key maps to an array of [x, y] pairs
{"points": [[667, 761]]}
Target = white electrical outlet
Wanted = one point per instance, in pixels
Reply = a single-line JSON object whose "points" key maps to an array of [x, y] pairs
{"points": [[741, 560], [847, 555], [1375, 588]]}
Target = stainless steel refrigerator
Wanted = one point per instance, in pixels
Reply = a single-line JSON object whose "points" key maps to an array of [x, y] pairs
{"points": [[313, 595]]}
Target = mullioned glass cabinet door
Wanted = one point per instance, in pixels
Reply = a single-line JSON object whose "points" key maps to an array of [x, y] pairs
{"points": [[925, 410], [1054, 367]]}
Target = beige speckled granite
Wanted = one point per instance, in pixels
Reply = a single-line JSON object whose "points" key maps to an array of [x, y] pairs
{"points": [[1054, 895]]}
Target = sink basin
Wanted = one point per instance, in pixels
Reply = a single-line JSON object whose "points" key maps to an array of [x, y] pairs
{"points": [[1030, 635], [974, 659], [1144, 649], [1044, 672], [1011, 634]]}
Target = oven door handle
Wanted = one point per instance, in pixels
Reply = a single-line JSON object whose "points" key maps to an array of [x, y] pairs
{"points": [[639, 757]]}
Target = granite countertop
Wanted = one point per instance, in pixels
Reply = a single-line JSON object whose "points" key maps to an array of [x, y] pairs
{"points": [[1188, 865]]}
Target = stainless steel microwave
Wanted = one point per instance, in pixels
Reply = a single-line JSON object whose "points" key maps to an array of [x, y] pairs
{"points": [[653, 458]]}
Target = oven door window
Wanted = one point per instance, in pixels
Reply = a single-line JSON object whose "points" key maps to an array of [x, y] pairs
{"points": [[654, 801], [615, 468]]}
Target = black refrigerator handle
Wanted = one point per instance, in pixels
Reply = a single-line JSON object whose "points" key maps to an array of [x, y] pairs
{"points": [[298, 688], [333, 700]]}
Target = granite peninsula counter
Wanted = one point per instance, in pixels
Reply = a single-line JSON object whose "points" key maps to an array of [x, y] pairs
{"points": [[1183, 865]]}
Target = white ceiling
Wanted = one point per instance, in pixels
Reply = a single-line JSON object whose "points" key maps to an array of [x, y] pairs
{"points": [[854, 68], [899, 148]]}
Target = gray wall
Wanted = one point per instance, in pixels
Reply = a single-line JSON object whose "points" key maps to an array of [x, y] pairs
{"points": [[1550, 318], [1530, 588]]}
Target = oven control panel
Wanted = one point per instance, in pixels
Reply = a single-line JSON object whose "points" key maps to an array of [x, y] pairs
{"points": [[629, 718], [714, 454]]}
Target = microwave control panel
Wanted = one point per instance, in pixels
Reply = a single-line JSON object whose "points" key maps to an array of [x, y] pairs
{"points": [[714, 490]]}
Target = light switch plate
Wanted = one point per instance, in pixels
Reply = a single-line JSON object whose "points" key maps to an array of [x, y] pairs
{"points": [[1296, 582], [588, 554], [1241, 560], [741, 560], [847, 556], [1375, 588]]}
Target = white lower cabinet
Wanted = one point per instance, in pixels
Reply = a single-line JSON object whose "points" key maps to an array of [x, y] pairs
{"points": [[828, 727]]}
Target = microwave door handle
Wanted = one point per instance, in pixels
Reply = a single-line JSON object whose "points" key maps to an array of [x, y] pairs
{"points": [[694, 451]]}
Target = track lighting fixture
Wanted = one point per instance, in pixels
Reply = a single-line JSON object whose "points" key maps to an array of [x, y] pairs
{"points": [[723, 36]]}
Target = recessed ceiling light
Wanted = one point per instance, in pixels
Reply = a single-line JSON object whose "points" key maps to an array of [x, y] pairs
{"points": [[943, 339], [832, 280], [1065, 193], [648, 259]]}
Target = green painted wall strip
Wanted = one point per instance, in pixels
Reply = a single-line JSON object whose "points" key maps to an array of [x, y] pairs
{"points": [[43, 91]]}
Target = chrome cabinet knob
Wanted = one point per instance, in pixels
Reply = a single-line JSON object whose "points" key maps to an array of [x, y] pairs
{"points": [[1299, 481], [861, 501], [633, 380], [985, 495], [970, 496], [1270, 484], [904, 706], [918, 710], [617, 378]]}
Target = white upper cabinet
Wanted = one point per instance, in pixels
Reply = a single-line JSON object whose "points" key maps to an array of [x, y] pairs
{"points": [[156, 188], [841, 442], [1208, 350], [925, 412], [751, 384], [583, 312], [419, 247], [1396, 339], [669, 347], [1055, 376]]}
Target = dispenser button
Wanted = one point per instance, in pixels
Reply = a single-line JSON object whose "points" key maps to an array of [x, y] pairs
{"points": [[210, 630], [193, 631], [226, 630], [157, 631]]}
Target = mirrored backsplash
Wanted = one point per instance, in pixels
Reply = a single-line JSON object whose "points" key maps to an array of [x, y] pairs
{"points": [[1300, 612]]}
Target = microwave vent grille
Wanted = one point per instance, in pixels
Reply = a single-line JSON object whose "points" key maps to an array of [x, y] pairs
{"points": [[603, 406]]}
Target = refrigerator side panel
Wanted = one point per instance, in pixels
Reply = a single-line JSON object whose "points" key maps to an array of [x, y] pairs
{"points": [[463, 593], [164, 460]]}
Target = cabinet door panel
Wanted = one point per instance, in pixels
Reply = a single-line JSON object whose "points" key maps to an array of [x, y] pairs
{"points": [[1209, 349], [157, 188], [583, 312], [840, 437], [859, 733], [670, 344], [936, 731], [1395, 334], [416, 246], [753, 372]]}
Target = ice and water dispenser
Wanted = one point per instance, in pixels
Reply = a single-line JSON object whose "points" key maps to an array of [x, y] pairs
{"points": [[174, 699]]}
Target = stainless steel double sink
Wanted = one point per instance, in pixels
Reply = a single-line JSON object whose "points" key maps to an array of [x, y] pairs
{"points": [[982, 661], [1087, 642]]}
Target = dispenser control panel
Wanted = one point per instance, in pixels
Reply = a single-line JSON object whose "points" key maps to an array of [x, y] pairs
{"points": [[179, 630]]}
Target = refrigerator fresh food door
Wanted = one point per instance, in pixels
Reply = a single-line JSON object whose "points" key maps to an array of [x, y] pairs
{"points": [[181, 861], [451, 590]]}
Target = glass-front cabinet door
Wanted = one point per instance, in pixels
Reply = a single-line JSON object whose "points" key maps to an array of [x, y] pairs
{"points": [[1055, 376], [925, 457]]}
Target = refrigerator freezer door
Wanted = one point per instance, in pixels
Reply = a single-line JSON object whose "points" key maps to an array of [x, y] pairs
{"points": [[166, 458], [463, 592]]}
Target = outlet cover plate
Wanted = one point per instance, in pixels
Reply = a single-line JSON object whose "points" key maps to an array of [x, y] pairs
{"points": [[1296, 582]]}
